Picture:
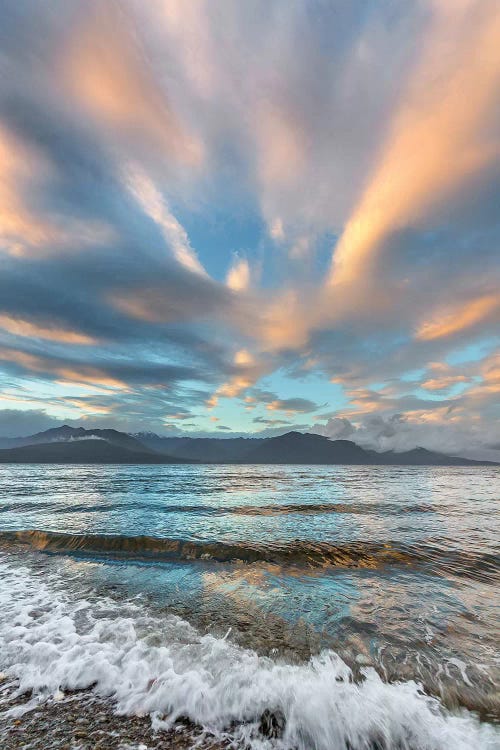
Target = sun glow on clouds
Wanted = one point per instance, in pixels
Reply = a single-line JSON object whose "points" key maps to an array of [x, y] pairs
{"points": [[448, 322], [43, 365], [18, 164], [26, 328], [437, 137], [174, 123], [23, 230], [154, 205], [113, 80], [238, 277]]}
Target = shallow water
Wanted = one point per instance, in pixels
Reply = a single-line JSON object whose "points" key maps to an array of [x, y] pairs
{"points": [[218, 591]]}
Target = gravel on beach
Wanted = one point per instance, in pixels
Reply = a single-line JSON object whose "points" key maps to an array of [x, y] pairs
{"points": [[82, 721]]}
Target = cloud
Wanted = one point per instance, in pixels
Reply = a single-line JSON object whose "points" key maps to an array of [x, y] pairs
{"points": [[434, 143], [154, 205], [400, 432], [393, 417], [238, 276], [443, 383], [112, 79], [281, 144], [337, 428], [296, 405], [181, 414], [292, 405], [23, 229], [276, 229], [140, 144], [17, 423], [245, 371], [450, 321], [114, 373], [271, 422], [28, 329]]}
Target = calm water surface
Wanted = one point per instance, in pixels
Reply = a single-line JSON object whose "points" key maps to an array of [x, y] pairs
{"points": [[380, 578]]}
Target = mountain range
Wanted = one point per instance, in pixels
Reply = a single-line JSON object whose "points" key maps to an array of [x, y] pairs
{"points": [[68, 445]]}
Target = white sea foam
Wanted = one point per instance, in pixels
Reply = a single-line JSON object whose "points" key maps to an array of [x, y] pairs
{"points": [[52, 641]]}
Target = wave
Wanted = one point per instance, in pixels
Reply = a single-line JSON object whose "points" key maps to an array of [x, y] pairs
{"points": [[53, 640], [210, 510], [320, 508], [436, 557]]}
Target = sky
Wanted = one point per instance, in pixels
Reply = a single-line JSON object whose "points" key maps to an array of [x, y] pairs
{"points": [[235, 218]]}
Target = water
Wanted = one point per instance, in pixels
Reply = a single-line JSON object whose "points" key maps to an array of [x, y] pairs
{"points": [[359, 601]]}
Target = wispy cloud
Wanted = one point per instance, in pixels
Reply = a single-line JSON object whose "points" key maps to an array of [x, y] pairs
{"points": [[438, 137], [173, 178], [155, 206], [447, 322]]}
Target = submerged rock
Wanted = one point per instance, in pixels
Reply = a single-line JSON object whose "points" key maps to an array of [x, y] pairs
{"points": [[272, 724]]}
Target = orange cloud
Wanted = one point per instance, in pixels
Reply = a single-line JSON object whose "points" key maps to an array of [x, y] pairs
{"points": [[235, 386], [440, 384], [22, 230], [20, 327], [19, 164], [437, 137], [88, 387], [243, 357], [90, 375], [84, 374], [29, 361], [238, 277], [285, 321], [278, 405], [453, 320], [109, 75], [15, 399], [87, 407], [491, 374], [249, 373]]}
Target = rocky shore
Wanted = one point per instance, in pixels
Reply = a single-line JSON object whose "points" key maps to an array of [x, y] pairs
{"points": [[81, 721]]}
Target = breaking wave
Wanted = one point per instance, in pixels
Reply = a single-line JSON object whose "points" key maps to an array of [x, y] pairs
{"points": [[164, 667], [437, 558]]}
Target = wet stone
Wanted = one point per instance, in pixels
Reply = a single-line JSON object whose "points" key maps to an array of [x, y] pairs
{"points": [[272, 724]]}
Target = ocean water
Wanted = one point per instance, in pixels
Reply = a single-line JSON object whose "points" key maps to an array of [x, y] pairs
{"points": [[360, 602]]}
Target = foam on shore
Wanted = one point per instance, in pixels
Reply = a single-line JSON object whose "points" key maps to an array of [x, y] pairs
{"points": [[52, 640]]}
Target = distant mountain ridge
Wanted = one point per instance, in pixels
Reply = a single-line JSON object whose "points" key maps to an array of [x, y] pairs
{"points": [[78, 445], [200, 449], [67, 433], [81, 452], [294, 448], [63, 445]]}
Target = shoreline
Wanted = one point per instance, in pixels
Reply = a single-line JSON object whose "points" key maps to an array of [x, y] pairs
{"points": [[84, 721]]}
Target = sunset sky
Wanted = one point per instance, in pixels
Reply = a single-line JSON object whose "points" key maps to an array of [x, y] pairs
{"points": [[222, 217]]}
